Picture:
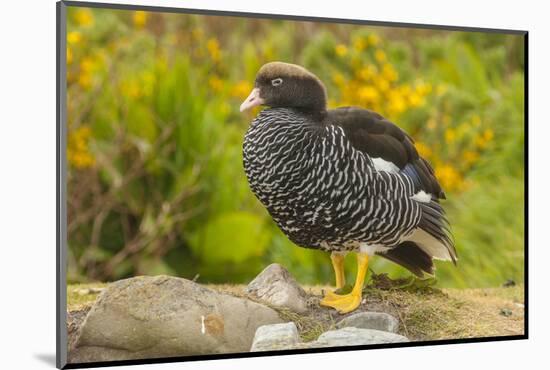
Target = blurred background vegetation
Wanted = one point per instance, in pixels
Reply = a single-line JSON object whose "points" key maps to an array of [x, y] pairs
{"points": [[155, 180]]}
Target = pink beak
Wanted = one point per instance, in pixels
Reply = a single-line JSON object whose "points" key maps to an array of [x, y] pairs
{"points": [[252, 100]]}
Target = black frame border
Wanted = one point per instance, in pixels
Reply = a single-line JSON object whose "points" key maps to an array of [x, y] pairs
{"points": [[61, 188]]}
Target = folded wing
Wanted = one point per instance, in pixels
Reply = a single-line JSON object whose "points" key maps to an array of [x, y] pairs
{"points": [[373, 134]]}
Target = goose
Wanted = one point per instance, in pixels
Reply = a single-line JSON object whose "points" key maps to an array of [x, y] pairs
{"points": [[341, 180]]}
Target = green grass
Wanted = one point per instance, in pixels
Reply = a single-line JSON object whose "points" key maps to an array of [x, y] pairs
{"points": [[80, 296]]}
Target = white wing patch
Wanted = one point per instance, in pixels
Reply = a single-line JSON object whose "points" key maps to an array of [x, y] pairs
{"points": [[422, 196], [372, 249], [383, 165]]}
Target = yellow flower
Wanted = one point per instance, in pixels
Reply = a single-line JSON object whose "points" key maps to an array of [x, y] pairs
{"points": [[423, 149], [470, 157], [389, 72], [78, 153], [349, 93], [380, 56], [367, 72], [338, 78], [369, 94], [480, 142], [382, 84], [397, 104], [423, 88], [215, 83], [213, 47], [462, 129], [405, 89], [74, 37], [341, 50], [448, 176], [87, 65], [84, 17], [373, 39], [241, 89], [483, 139], [140, 18], [360, 44], [85, 80], [415, 100], [134, 90], [69, 56], [450, 135], [131, 89], [488, 134], [356, 62]]}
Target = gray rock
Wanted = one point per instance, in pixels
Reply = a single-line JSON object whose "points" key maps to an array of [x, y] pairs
{"points": [[74, 322], [277, 286], [355, 337], [285, 336], [147, 317], [275, 337], [370, 320]]}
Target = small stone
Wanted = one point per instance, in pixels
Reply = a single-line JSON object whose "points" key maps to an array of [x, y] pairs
{"points": [[87, 291], [96, 290], [509, 283], [275, 337], [356, 337], [506, 312], [370, 320], [276, 286]]}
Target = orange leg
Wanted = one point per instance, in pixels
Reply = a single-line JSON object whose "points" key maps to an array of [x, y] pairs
{"points": [[349, 302]]}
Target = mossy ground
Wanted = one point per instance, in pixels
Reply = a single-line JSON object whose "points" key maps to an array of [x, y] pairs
{"points": [[81, 296], [424, 312]]}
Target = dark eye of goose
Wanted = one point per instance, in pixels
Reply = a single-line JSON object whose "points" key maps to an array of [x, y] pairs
{"points": [[277, 81]]}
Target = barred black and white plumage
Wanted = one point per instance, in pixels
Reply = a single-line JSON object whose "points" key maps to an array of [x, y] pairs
{"points": [[325, 194], [344, 179]]}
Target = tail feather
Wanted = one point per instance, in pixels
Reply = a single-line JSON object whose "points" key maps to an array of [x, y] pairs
{"points": [[412, 257], [433, 234]]}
